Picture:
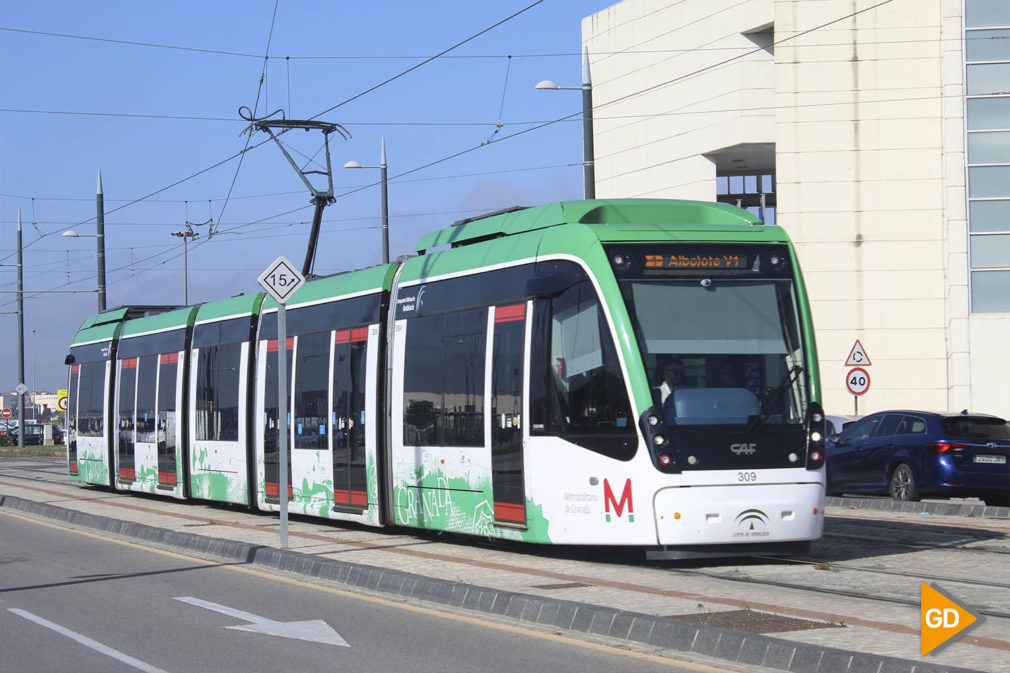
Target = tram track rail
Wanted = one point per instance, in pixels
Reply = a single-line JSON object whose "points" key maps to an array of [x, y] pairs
{"points": [[893, 599]]}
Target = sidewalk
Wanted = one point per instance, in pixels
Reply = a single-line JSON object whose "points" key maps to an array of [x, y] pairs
{"points": [[609, 595]]}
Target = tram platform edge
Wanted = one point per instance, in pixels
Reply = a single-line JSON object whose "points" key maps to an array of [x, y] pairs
{"points": [[730, 646]]}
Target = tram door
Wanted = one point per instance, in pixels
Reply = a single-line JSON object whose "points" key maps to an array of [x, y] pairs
{"points": [[347, 418], [506, 415], [271, 421]]}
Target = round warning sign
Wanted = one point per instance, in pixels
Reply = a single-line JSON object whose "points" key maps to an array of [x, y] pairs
{"points": [[857, 380]]}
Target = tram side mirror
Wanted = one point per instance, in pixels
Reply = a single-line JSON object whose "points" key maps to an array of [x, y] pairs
{"points": [[70, 359], [550, 285]]}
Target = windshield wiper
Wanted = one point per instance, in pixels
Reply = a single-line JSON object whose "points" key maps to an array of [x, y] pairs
{"points": [[773, 399]]}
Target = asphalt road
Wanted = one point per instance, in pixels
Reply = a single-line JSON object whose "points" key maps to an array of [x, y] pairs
{"points": [[76, 601]]}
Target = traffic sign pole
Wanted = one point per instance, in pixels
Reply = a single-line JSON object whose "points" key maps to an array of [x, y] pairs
{"points": [[281, 280], [282, 405], [857, 380]]}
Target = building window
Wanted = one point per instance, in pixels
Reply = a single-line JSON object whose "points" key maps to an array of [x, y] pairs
{"points": [[754, 192], [987, 83]]}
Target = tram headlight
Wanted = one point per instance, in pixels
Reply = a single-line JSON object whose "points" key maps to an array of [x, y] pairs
{"points": [[816, 433], [659, 440], [653, 420], [665, 459]]}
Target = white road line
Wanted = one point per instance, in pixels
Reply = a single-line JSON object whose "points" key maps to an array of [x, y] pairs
{"points": [[88, 642], [224, 609]]}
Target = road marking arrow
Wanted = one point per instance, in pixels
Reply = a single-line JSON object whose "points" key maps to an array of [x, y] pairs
{"points": [[313, 630]]}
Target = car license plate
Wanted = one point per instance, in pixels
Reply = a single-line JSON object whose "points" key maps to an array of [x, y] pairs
{"points": [[983, 458]]}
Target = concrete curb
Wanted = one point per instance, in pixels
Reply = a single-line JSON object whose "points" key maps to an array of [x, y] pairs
{"points": [[731, 646], [975, 510]]}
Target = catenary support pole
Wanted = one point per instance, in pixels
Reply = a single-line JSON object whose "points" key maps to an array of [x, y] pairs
{"points": [[588, 158], [21, 337], [100, 199]]}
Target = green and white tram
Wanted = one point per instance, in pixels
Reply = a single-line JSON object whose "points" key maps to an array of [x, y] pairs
{"points": [[613, 372]]}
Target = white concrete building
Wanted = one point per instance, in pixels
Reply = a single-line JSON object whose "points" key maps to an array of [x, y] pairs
{"points": [[877, 132]]}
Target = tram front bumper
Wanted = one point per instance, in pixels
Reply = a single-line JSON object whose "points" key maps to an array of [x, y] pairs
{"points": [[739, 514]]}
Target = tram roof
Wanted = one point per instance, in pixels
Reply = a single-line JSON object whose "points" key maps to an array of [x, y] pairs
{"points": [[234, 307], [162, 322], [105, 325], [656, 213]]}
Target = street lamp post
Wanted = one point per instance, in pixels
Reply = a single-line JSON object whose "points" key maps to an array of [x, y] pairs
{"points": [[384, 198], [588, 159], [101, 262]]}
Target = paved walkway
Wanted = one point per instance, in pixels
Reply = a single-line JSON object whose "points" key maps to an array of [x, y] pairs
{"points": [[608, 594]]}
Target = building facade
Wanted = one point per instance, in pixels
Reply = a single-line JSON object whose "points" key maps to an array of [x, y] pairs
{"points": [[877, 132]]}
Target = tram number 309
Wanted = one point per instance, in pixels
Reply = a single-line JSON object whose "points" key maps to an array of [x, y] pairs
{"points": [[747, 476]]}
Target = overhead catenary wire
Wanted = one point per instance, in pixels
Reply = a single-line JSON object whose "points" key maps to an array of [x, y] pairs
{"points": [[414, 57], [565, 118], [356, 96], [266, 55]]}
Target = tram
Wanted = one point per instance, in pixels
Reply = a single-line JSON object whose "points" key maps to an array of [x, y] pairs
{"points": [[603, 372]]}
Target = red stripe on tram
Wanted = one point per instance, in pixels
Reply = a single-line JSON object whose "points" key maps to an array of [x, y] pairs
{"points": [[509, 313], [167, 478], [506, 511], [359, 334], [129, 363], [345, 497], [272, 345], [169, 358], [273, 489]]}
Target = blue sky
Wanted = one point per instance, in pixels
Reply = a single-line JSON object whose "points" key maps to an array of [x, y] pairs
{"points": [[154, 100]]}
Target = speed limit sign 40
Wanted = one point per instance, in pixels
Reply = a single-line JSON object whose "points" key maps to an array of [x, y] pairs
{"points": [[857, 380]]}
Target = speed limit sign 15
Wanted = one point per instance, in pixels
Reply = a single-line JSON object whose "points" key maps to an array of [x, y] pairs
{"points": [[857, 380]]}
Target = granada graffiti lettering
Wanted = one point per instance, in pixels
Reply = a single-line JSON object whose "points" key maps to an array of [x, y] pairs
{"points": [[457, 504]]}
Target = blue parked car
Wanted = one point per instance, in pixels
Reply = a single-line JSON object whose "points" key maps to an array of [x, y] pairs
{"points": [[911, 454]]}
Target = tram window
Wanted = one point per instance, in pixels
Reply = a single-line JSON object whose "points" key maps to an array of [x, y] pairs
{"points": [[422, 380], [443, 385], [586, 394], [349, 375], [147, 378], [463, 390], [311, 390], [75, 377], [91, 400], [166, 429], [126, 422], [217, 392]]}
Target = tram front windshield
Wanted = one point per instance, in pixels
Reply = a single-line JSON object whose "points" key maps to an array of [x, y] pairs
{"points": [[720, 350]]}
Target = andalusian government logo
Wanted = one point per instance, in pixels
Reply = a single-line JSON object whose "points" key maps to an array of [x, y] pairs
{"points": [[752, 523]]}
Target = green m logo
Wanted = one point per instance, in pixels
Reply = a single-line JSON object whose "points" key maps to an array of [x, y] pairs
{"points": [[751, 515]]}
